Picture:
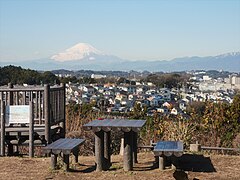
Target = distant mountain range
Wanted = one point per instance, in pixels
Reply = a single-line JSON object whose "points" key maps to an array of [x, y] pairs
{"points": [[85, 56]]}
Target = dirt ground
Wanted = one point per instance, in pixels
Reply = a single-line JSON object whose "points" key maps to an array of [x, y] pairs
{"points": [[195, 166]]}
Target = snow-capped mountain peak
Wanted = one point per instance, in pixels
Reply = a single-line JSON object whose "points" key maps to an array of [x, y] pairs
{"points": [[77, 52], [231, 54]]}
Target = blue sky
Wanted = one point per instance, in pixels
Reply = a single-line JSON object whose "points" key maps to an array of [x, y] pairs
{"points": [[130, 29]]}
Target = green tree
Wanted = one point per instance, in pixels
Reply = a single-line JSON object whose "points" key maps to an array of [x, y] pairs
{"points": [[49, 78], [138, 112], [72, 79], [87, 80]]}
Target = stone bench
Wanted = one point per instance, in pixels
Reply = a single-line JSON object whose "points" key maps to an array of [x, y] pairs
{"points": [[66, 146]]}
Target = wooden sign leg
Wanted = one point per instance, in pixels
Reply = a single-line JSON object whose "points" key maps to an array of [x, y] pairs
{"points": [[2, 128], [31, 131]]}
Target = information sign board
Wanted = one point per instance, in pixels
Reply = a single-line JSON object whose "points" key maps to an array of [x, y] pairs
{"points": [[19, 114]]}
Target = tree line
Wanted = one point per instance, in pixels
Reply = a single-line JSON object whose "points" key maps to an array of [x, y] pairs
{"points": [[18, 75]]}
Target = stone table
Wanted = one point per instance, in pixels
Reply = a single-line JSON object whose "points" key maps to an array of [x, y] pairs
{"points": [[102, 130]]}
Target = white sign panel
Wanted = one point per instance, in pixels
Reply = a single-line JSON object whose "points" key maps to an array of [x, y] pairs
{"points": [[17, 114]]}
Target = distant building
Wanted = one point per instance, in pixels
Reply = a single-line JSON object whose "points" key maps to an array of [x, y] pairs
{"points": [[233, 81], [206, 78], [63, 75], [166, 93], [88, 89], [174, 111], [97, 76]]}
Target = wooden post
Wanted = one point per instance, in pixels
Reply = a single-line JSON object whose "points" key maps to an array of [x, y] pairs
{"points": [[10, 149], [66, 162], [161, 162], [24, 98], [31, 130], [122, 147], [10, 102], [1, 96], [54, 161], [99, 152], [195, 147], [47, 112], [39, 107], [107, 153], [63, 124], [36, 105], [135, 137], [10, 94], [17, 99], [128, 154], [2, 128], [19, 139]]}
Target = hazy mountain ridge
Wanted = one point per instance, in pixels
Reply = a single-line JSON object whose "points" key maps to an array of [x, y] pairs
{"points": [[86, 57]]}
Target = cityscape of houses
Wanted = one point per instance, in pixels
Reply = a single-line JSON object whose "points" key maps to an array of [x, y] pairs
{"points": [[121, 98]]}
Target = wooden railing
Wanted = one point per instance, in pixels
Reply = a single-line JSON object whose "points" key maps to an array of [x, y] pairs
{"points": [[48, 102], [57, 104], [20, 95]]}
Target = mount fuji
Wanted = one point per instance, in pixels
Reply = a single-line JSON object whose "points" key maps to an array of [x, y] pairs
{"points": [[83, 56], [78, 52]]}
